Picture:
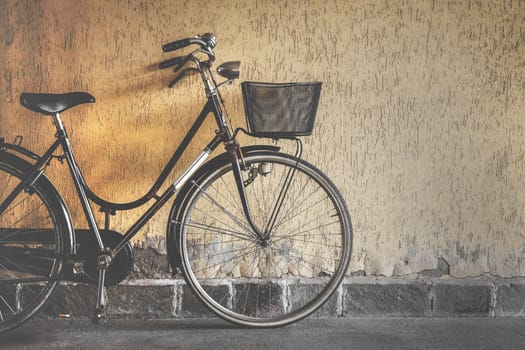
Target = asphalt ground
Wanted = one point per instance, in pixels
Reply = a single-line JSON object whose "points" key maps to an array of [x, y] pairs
{"points": [[313, 333]]}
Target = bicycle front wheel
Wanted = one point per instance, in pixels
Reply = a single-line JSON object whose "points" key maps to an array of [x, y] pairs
{"points": [[284, 274], [32, 228]]}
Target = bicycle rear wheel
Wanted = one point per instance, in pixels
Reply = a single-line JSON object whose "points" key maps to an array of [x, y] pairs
{"points": [[32, 228], [276, 279]]}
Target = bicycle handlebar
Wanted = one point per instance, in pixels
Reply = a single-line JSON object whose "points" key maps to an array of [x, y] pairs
{"points": [[175, 45], [207, 40]]}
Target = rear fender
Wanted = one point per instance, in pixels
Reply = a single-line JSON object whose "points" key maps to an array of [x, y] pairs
{"points": [[17, 149], [7, 154]]}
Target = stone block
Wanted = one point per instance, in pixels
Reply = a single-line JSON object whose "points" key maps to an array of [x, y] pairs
{"points": [[76, 300], [147, 301], [124, 301], [301, 293], [261, 299], [386, 299], [191, 307], [149, 264], [455, 299], [510, 300]]}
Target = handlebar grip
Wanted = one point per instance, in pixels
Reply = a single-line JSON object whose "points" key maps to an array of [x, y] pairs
{"points": [[175, 45], [171, 62]]}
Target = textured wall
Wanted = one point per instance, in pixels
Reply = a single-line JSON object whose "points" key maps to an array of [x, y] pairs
{"points": [[421, 122]]}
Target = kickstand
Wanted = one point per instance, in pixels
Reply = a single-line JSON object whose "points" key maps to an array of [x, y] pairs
{"points": [[99, 315]]}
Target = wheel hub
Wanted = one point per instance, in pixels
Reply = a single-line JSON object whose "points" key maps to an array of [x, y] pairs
{"points": [[265, 242]]}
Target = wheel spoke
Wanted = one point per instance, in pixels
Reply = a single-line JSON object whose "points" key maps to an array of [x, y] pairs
{"points": [[25, 216], [294, 201], [6, 186], [25, 236], [228, 227], [219, 230], [286, 218], [7, 304], [31, 228], [208, 244], [22, 252], [297, 231], [223, 262], [26, 281], [225, 211]]}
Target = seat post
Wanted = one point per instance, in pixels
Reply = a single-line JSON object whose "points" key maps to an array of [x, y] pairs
{"points": [[58, 122]]}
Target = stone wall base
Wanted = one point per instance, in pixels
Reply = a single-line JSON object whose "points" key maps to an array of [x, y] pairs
{"points": [[357, 297]]}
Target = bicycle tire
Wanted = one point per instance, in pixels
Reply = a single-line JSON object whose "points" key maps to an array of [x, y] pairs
{"points": [[34, 231], [254, 283]]}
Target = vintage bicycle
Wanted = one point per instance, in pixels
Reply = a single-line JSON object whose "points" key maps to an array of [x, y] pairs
{"points": [[248, 229]]}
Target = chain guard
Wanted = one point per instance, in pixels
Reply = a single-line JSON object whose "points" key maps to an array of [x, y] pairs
{"points": [[88, 252]]}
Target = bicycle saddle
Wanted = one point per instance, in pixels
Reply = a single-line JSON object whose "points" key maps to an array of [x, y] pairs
{"points": [[50, 104]]}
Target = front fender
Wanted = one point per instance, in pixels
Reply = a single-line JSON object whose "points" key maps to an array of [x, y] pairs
{"points": [[171, 239]]}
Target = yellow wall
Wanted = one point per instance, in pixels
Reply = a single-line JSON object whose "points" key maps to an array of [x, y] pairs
{"points": [[421, 122]]}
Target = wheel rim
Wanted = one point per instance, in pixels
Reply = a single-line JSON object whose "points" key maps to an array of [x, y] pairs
{"points": [[29, 246], [278, 278]]}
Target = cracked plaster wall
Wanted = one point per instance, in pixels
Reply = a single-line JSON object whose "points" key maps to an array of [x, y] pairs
{"points": [[421, 122]]}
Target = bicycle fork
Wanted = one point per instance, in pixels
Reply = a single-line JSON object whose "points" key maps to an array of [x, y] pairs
{"points": [[234, 152], [263, 236]]}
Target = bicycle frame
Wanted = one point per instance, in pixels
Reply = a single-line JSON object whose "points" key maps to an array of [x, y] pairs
{"points": [[85, 194]]}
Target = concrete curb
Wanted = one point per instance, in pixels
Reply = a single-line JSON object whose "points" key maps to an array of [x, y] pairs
{"points": [[357, 297]]}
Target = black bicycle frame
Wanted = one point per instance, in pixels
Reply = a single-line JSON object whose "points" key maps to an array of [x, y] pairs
{"points": [[85, 193]]}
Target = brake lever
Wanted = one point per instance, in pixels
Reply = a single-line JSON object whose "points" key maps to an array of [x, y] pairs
{"points": [[183, 62], [226, 82], [180, 76]]}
